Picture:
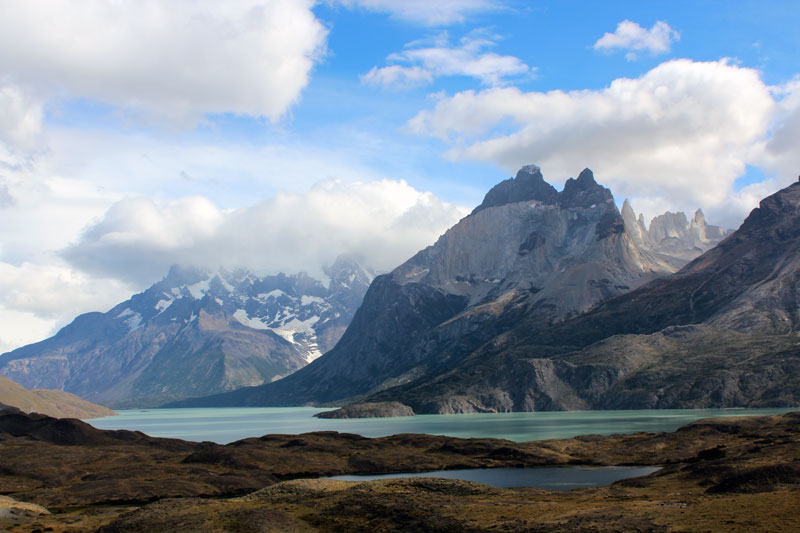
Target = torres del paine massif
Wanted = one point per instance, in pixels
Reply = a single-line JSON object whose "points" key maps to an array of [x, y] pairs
{"points": [[403, 266], [537, 300]]}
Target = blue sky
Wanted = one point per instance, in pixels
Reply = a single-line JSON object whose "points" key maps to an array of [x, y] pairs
{"points": [[276, 134]]}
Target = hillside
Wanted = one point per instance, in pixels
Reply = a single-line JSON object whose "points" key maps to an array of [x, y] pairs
{"points": [[55, 403]]}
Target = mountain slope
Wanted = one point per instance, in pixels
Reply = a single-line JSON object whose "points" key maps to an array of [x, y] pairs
{"points": [[194, 334], [528, 252], [722, 332], [55, 403]]}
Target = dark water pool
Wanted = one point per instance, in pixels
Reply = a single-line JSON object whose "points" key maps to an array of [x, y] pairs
{"points": [[551, 478]]}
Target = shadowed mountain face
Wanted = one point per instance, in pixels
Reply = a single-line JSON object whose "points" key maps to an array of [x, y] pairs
{"points": [[722, 332], [193, 334], [527, 253]]}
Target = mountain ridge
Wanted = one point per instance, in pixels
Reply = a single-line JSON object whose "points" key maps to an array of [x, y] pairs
{"points": [[526, 251], [194, 333], [54, 403]]}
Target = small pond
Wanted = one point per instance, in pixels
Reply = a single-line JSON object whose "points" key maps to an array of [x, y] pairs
{"points": [[549, 477]]}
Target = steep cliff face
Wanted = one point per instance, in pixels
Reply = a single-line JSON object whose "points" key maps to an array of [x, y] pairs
{"points": [[527, 251], [671, 236], [194, 334], [722, 332]]}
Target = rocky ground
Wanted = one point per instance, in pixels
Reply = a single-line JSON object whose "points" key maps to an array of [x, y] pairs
{"points": [[732, 474]]}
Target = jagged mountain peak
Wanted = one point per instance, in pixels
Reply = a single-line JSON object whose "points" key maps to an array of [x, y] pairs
{"points": [[528, 251], [584, 192], [348, 269], [527, 185], [672, 235], [195, 332], [628, 209]]}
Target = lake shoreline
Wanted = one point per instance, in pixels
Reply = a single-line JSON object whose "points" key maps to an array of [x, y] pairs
{"points": [[122, 480], [228, 424]]}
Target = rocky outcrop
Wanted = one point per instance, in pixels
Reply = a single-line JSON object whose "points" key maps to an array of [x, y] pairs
{"points": [[672, 236], [369, 410], [722, 332], [527, 252], [528, 185], [194, 333]]}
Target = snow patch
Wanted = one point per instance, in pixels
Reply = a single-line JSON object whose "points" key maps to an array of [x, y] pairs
{"points": [[126, 312], [134, 321], [307, 300], [199, 289], [293, 327], [163, 304], [255, 323], [271, 294], [228, 287], [313, 352]]}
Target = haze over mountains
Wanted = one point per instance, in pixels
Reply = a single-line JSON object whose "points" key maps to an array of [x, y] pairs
{"points": [[195, 333], [527, 255]]}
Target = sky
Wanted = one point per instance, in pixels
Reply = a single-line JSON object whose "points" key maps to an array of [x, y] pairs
{"points": [[275, 135]]}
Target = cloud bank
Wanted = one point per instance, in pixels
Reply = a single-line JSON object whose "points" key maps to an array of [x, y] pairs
{"points": [[678, 136], [176, 60], [423, 61], [385, 221]]}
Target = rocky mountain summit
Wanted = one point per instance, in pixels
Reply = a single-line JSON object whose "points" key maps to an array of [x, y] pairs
{"points": [[721, 332], [528, 252], [672, 236], [195, 333]]}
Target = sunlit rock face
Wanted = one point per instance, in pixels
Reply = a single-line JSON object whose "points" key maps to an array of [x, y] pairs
{"points": [[195, 333], [526, 251], [672, 236]]}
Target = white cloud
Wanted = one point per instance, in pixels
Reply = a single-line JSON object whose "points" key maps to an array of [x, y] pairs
{"points": [[420, 64], [397, 77], [385, 221], [20, 118], [780, 152], [176, 60], [36, 300], [427, 12], [682, 133], [634, 38]]}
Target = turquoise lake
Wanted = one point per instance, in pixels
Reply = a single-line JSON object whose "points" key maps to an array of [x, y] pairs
{"points": [[543, 477], [224, 425]]}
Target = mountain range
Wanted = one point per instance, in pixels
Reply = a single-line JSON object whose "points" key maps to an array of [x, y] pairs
{"points": [[195, 333], [483, 320]]}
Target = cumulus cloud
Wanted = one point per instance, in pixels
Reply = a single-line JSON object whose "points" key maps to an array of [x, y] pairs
{"points": [[427, 12], [420, 63], [178, 60], [385, 221], [36, 299], [780, 152], [397, 77], [6, 200], [634, 38], [20, 118], [682, 133]]}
